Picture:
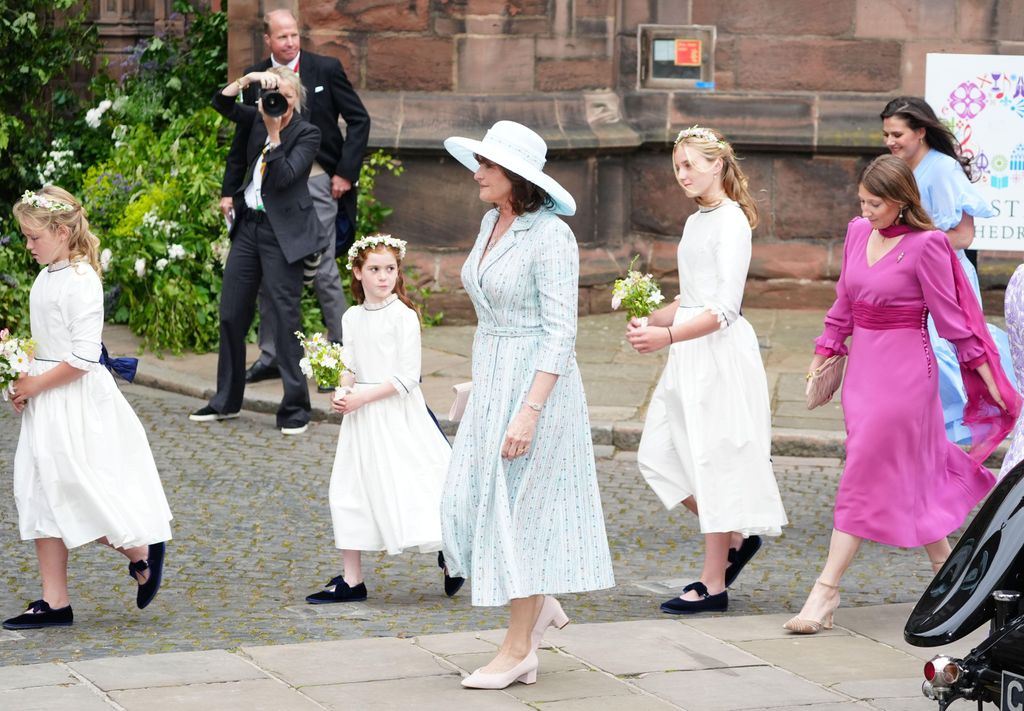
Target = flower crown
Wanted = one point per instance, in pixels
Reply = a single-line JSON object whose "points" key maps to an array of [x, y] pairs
{"points": [[30, 198], [703, 134], [371, 241]]}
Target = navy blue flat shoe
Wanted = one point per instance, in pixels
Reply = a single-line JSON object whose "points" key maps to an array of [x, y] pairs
{"points": [[154, 563], [39, 615], [740, 557], [707, 603], [337, 590], [451, 584]]}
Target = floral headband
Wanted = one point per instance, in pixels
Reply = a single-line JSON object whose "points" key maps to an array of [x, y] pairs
{"points": [[41, 201], [371, 241], [703, 134]]}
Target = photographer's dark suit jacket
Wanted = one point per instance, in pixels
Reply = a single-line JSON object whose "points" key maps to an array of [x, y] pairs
{"points": [[285, 192], [328, 95]]}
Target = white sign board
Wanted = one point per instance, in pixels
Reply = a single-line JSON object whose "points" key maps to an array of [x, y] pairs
{"points": [[980, 97]]}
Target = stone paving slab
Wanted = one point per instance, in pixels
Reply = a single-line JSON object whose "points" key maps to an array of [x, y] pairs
{"points": [[609, 703], [624, 648], [254, 695], [358, 660], [834, 659], [166, 670], [735, 688], [30, 675], [430, 693], [53, 698]]}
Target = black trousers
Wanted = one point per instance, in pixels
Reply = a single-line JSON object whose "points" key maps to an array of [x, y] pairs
{"points": [[255, 257]]}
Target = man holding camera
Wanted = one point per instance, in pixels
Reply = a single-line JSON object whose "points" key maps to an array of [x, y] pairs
{"points": [[333, 177]]}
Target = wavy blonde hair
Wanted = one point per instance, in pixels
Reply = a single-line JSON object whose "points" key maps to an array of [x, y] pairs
{"points": [[711, 144], [83, 245]]}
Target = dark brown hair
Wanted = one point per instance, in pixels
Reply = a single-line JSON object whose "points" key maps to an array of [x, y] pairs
{"points": [[357, 285], [890, 178], [526, 197], [916, 112]]}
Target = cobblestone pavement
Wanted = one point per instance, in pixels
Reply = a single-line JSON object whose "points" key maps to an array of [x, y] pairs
{"points": [[252, 537]]}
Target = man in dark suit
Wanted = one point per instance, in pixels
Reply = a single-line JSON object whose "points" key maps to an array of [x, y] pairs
{"points": [[333, 177], [274, 230]]}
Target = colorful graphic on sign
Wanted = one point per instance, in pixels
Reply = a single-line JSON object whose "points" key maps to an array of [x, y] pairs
{"points": [[687, 53], [980, 98]]}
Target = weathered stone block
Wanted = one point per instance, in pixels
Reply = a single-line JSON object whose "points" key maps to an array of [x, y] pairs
{"points": [[780, 260], [409, 63], [815, 197], [347, 49], [779, 17], [915, 59], [370, 15], [747, 119], [905, 18], [594, 8], [573, 47], [816, 64], [495, 64], [627, 71], [976, 19], [789, 294], [506, 7], [850, 121], [647, 113], [635, 13], [574, 74]]}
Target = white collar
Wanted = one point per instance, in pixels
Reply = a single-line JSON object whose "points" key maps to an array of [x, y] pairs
{"points": [[291, 65]]}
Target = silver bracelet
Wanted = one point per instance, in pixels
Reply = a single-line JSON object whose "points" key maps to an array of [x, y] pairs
{"points": [[533, 405]]}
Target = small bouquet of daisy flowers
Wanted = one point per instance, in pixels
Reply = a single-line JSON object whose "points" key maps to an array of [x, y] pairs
{"points": [[322, 360], [639, 293], [15, 358]]}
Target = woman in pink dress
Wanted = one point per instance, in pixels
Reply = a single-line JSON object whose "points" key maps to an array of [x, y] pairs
{"points": [[904, 483]]}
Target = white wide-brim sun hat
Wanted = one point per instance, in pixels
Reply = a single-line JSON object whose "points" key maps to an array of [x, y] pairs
{"points": [[519, 150]]}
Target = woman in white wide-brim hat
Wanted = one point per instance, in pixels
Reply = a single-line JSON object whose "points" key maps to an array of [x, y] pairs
{"points": [[521, 511]]}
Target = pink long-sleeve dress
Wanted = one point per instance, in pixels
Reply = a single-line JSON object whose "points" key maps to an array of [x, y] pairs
{"points": [[904, 483]]}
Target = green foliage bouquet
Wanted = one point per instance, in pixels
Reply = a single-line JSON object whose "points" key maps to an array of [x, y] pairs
{"points": [[15, 359], [639, 293], [321, 360]]}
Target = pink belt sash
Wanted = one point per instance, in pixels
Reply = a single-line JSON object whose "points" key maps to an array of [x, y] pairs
{"points": [[884, 318]]}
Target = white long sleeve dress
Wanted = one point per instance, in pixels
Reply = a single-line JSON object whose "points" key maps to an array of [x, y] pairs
{"points": [[708, 427], [83, 469]]}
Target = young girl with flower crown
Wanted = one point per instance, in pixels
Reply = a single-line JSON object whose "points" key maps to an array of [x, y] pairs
{"points": [[392, 458], [83, 470], [707, 439]]}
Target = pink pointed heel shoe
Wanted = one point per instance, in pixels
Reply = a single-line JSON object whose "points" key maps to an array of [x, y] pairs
{"points": [[551, 615], [524, 672]]}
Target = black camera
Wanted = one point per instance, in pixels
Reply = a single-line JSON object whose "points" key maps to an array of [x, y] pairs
{"points": [[274, 103]]}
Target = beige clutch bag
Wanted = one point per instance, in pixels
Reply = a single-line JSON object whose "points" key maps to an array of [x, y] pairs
{"points": [[823, 382], [458, 407]]}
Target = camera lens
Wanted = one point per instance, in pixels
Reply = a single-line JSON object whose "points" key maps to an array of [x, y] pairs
{"points": [[274, 103]]}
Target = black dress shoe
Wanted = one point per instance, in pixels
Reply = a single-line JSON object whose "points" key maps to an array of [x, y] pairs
{"points": [[740, 557], [40, 615], [338, 591], [707, 603], [259, 371], [451, 584], [154, 563], [208, 414]]}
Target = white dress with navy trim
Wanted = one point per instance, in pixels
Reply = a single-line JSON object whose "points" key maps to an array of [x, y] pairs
{"points": [[83, 469], [391, 463]]}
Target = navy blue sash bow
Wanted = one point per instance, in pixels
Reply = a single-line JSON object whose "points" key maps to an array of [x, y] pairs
{"points": [[123, 367]]}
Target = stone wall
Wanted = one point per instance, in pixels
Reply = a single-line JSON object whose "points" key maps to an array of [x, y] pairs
{"points": [[799, 84]]}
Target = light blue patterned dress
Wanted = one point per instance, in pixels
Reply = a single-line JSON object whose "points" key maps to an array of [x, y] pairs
{"points": [[532, 525], [946, 195]]}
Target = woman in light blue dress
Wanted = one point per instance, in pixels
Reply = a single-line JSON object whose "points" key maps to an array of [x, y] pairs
{"points": [[521, 511], [914, 133]]}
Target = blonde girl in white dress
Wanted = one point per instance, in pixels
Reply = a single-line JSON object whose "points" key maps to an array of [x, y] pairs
{"points": [[392, 458], [707, 438], [83, 470]]}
